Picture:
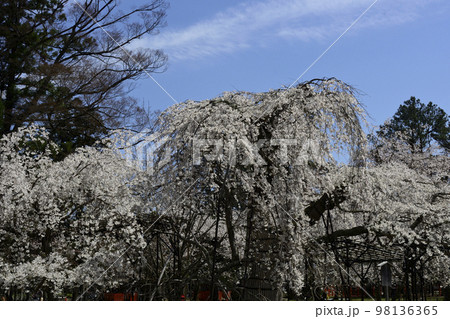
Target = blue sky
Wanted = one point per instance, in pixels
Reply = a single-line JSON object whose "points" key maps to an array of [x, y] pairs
{"points": [[399, 48]]}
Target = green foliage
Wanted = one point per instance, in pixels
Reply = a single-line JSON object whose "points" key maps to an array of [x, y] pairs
{"points": [[421, 123], [60, 69]]}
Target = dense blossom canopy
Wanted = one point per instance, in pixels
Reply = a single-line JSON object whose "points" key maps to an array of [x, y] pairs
{"points": [[63, 223], [237, 193]]}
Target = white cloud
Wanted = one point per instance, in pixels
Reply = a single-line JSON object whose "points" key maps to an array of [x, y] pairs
{"points": [[256, 23]]}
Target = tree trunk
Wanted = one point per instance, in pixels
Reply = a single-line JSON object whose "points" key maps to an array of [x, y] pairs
{"points": [[261, 283]]}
